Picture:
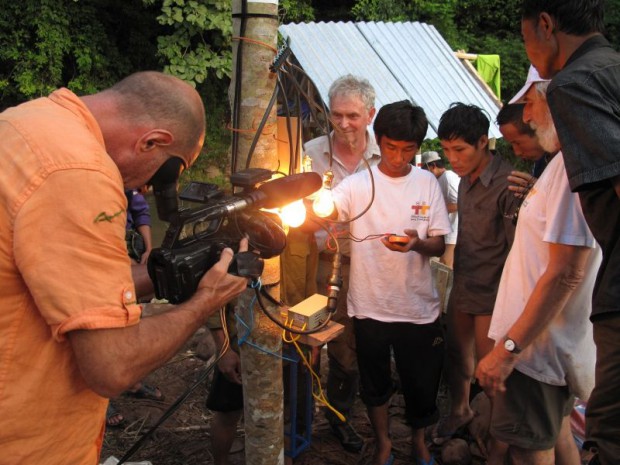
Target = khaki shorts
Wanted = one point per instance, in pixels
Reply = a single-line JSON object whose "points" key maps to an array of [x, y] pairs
{"points": [[529, 414]]}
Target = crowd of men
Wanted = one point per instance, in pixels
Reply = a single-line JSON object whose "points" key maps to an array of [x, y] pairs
{"points": [[535, 299]]}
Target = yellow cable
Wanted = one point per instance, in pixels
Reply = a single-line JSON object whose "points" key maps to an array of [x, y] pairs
{"points": [[320, 397]]}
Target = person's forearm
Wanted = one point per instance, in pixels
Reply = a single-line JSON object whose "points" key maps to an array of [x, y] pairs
{"points": [[452, 207], [145, 232], [219, 337], [549, 297], [112, 359], [430, 247]]}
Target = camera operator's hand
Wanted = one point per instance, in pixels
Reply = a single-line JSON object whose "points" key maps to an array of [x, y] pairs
{"points": [[113, 359], [217, 286]]}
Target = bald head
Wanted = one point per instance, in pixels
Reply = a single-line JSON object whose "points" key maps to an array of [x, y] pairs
{"points": [[158, 100]]}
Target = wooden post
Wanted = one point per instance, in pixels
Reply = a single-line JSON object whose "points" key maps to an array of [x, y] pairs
{"points": [[261, 368]]}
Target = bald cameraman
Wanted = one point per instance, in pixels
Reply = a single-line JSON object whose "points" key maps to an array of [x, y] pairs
{"points": [[70, 329]]}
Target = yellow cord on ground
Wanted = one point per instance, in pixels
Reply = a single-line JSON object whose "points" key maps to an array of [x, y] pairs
{"points": [[320, 397]]}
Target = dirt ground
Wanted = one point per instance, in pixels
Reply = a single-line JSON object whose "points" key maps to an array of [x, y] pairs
{"points": [[183, 439]]}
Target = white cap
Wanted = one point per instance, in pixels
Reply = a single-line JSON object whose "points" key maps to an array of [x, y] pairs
{"points": [[429, 157], [532, 78]]}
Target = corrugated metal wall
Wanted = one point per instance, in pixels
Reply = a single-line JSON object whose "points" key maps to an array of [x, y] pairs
{"points": [[401, 60]]}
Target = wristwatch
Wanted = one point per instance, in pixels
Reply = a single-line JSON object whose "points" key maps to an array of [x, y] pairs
{"points": [[511, 346]]}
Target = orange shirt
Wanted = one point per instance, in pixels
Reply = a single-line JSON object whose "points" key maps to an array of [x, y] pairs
{"points": [[63, 266]]}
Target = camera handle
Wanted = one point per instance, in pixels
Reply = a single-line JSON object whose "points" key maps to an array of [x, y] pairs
{"points": [[247, 265]]}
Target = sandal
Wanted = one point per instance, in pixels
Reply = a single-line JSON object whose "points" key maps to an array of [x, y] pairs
{"points": [[113, 418], [424, 462], [146, 391]]}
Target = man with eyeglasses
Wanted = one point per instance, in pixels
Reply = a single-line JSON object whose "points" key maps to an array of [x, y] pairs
{"points": [[544, 354], [71, 333]]}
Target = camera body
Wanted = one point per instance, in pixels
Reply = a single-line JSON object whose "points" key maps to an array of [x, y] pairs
{"points": [[196, 237]]}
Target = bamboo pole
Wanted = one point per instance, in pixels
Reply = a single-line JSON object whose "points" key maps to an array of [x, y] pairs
{"points": [[261, 368]]}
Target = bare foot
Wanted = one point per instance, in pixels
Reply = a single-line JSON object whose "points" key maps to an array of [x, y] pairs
{"points": [[448, 426], [113, 417]]}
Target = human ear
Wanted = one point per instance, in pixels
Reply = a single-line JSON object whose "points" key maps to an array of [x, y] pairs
{"points": [[371, 114], [546, 24], [153, 139]]}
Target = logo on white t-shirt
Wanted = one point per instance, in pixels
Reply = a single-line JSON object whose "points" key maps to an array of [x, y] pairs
{"points": [[420, 211]]}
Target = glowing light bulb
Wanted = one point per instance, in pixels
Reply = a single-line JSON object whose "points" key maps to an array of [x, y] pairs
{"points": [[293, 214], [323, 204]]}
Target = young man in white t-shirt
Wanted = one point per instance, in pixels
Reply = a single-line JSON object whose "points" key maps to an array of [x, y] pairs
{"points": [[392, 298]]}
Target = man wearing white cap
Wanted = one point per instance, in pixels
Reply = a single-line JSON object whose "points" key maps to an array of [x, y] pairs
{"points": [[449, 183], [544, 353]]}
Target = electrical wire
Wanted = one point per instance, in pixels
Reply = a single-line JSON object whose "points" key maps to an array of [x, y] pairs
{"points": [[320, 396], [184, 396]]}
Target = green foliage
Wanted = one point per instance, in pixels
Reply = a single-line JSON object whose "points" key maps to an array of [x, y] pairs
{"points": [[81, 44], [612, 22], [381, 10], [198, 41], [295, 11], [214, 162], [474, 26]]}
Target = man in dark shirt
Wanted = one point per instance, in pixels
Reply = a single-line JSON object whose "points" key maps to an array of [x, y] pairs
{"points": [[564, 41], [486, 229]]}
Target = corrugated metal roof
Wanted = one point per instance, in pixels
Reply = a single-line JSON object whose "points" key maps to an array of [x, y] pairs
{"points": [[401, 60]]}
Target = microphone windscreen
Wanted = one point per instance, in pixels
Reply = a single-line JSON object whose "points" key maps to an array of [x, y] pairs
{"points": [[288, 189]]}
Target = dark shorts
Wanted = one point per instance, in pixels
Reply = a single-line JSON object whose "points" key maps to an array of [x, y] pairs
{"points": [[224, 395], [418, 354], [529, 414]]}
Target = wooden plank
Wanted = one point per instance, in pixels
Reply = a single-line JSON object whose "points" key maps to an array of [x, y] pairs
{"points": [[331, 331]]}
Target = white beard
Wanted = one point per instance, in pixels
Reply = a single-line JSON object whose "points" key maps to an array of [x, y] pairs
{"points": [[547, 135]]}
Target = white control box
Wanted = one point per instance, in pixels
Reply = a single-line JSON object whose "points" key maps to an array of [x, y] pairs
{"points": [[309, 313]]}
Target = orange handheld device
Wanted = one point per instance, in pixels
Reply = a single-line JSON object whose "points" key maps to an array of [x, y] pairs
{"points": [[396, 239]]}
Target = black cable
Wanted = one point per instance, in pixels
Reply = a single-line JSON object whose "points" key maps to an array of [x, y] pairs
{"points": [[237, 97], [291, 162], [261, 125], [171, 410], [177, 403]]}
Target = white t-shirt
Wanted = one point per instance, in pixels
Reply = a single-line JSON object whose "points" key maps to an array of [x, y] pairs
{"points": [[564, 354], [449, 183], [386, 285]]}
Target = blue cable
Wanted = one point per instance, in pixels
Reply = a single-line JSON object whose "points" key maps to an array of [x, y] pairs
{"points": [[243, 339]]}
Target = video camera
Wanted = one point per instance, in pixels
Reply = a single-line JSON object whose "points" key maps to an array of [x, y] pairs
{"points": [[196, 237]]}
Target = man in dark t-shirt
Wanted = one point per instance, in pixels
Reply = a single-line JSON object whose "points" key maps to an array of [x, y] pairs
{"points": [[564, 41]]}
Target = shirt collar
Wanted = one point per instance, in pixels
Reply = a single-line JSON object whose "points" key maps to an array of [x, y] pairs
{"points": [[592, 43], [489, 171]]}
